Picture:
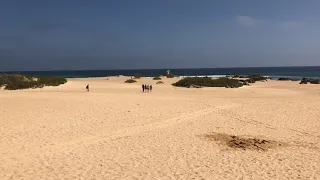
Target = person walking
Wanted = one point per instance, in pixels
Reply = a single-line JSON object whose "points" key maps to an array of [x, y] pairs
{"points": [[87, 88], [143, 87], [150, 88]]}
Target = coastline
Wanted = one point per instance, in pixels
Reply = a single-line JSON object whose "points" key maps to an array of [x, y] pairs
{"points": [[291, 72]]}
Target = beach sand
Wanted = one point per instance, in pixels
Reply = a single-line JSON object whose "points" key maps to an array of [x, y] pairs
{"points": [[117, 132]]}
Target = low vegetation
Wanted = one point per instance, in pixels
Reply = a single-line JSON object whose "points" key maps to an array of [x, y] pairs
{"points": [[250, 78], [284, 79], [157, 78], [238, 76], [130, 81], [256, 77], [208, 82], [170, 75], [159, 82], [244, 143], [310, 80], [20, 81], [138, 76]]}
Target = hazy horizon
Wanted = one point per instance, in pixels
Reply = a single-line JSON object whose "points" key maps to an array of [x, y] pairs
{"points": [[158, 69], [118, 35]]}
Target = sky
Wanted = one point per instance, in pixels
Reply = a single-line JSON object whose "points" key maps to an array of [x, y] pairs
{"points": [[154, 34]]}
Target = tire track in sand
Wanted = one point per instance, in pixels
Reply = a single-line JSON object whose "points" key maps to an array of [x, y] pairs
{"points": [[130, 131]]}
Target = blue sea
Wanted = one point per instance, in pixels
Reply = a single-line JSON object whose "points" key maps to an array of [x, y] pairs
{"points": [[292, 72]]}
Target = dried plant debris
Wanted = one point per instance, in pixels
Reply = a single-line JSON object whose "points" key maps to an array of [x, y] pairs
{"points": [[244, 143]]}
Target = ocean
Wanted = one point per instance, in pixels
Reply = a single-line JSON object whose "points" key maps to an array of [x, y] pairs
{"points": [[292, 72]]}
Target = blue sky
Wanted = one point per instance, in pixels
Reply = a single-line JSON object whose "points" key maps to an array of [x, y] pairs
{"points": [[140, 34]]}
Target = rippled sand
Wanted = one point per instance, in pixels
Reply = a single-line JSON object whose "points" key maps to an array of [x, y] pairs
{"points": [[117, 132]]}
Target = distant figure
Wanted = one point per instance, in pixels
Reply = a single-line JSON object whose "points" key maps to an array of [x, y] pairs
{"points": [[143, 87], [147, 88], [150, 88], [87, 88]]}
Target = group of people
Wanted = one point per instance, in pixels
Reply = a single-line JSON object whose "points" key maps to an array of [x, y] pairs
{"points": [[146, 88]]}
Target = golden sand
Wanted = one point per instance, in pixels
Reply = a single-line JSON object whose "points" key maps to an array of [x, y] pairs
{"points": [[117, 132]]}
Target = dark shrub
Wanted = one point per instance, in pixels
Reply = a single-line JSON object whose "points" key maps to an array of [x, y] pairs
{"points": [[170, 75], [130, 81], [157, 78], [246, 83], [207, 82], [284, 79], [251, 80], [20, 81], [257, 77], [304, 81], [314, 81], [51, 81], [254, 76], [159, 82], [309, 80], [243, 77], [138, 76], [3, 80]]}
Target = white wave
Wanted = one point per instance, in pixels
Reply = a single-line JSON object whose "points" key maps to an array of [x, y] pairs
{"points": [[211, 76]]}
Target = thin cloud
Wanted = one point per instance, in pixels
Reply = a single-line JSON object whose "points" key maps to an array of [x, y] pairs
{"points": [[247, 21]]}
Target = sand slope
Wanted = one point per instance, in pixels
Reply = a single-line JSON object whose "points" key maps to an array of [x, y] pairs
{"points": [[117, 132]]}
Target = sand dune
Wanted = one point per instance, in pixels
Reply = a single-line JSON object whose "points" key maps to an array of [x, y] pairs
{"points": [[117, 132]]}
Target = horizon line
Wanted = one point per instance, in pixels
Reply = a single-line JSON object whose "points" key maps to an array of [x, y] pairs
{"points": [[156, 69]]}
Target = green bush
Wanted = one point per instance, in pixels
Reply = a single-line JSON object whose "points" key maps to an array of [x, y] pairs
{"points": [[314, 81], [130, 81], [243, 77], [255, 77], [234, 76], [157, 78], [138, 76], [51, 81], [170, 75], [20, 81], [284, 79], [208, 82], [310, 80], [2, 81], [251, 78]]}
